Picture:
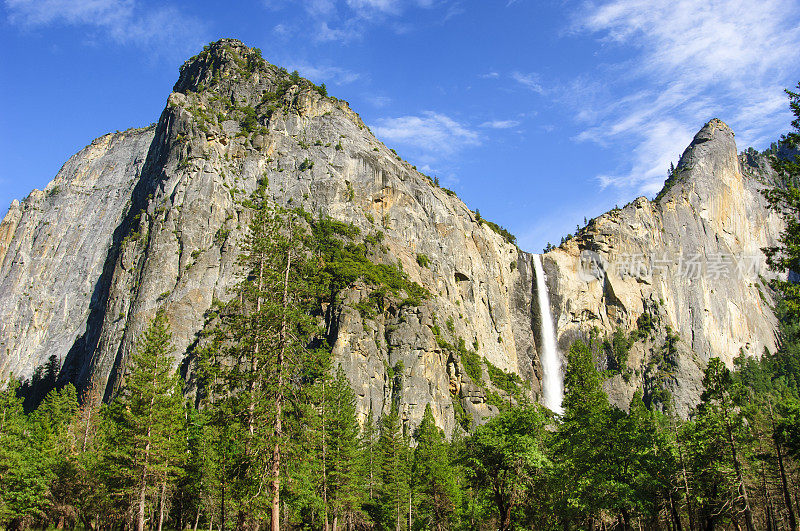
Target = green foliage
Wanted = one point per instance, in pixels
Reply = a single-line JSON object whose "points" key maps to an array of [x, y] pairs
{"points": [[645, 325], [508, 457], [606, 456], [784, 198], [470, 360], [143, 428], [433, 475], [345, 262], [461, 417], [394, 457], [617, 349], [472, 364], [423, 260], [507, 236], [509, 382], [673, 177], [660, 370], [306, 164], [32, 451], [250, 121]]}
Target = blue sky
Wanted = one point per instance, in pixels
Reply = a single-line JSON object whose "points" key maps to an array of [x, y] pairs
{"points": [[538, 113]]}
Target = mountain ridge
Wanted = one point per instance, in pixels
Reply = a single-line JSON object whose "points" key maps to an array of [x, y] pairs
{"points": [[174, 242]]}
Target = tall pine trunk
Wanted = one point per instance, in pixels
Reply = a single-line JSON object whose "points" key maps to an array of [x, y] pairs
{"points": [[324, 468], [276, 451], [162, 500], [787, 498], [145, 466], [737, 466]]}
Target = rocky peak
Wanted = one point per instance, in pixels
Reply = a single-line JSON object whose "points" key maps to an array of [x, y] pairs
{"points": [[220, 60], [713, 147], [711, 158], [229, 69]]}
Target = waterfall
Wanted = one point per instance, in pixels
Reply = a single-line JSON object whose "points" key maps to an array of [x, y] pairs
{"points": [[553, 384]]}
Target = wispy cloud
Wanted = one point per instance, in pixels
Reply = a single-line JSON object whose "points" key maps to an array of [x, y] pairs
{"points": [[329, 74], [500, 124], [347, 20], [691, 61], [123, 21], [433, 134], [378, 101], [529, 81]]}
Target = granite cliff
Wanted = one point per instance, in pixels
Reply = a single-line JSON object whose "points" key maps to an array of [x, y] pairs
{"points": [[152, 218], [688, 264]]}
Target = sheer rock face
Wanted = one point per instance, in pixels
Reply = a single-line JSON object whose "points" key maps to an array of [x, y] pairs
{"points": [[159, 225], [692, 258], [53, 247]]}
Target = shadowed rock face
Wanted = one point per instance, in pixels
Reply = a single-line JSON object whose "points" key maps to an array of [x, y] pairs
{"points": [[158, 225]]}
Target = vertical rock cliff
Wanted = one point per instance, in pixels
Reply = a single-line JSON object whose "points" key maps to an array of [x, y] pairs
{"points": [[152, 219], [54, 246], [690, 262]]}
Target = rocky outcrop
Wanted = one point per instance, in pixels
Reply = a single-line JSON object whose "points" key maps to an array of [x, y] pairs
{"points": [[691, 260], [152, 219]]}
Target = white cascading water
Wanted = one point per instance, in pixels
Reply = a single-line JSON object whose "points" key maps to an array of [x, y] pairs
{"points": [[553, 384]]}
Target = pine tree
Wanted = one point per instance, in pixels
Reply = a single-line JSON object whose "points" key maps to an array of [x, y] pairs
{"points": [[784, 198], [20, 488], [144, 440], [433, 475], [34, 456], [719, 403], [369, 451], [581, 441], [260, 353], [393, 451], [54, 445], [190, 488], [343, 463]]}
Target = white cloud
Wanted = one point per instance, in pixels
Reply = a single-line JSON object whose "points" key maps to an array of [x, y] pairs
{"points": [[649, 159], [500, 124], [348, 32], [383, 6], [329, 74], [347, 20], [42, 12], [123, 21], [529, 81], [490, 75], [692, 61], [432, 133], [282, 30], [378, 101]]}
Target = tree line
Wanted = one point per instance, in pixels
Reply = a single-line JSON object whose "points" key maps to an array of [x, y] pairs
{"points": [[268, 436]]}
